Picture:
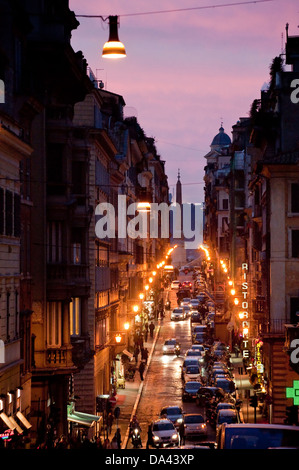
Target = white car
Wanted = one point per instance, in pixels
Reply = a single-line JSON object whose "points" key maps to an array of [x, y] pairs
{"points": [[164, 433], [175, 284], [198, 347], [178, 314], [191, 373], [170, 346], [194, 425]]}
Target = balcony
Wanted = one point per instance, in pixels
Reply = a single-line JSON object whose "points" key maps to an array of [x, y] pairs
{"points": [[62, 277], [275, 328], [81, 352]]}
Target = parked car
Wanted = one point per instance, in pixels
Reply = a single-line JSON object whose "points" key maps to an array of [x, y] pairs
{"points": [[195, 317], [173, 413], [198, 347], [164, 433], [207, 393], [189, 361], [191, 373], [190, 390], [194, 425], [199, 338], [226, 416], [194, 303], [225, 406], [178, 314], [175, 284], [171, 346], [226, 384]]}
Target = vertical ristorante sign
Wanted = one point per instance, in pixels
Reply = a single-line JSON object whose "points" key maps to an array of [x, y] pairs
{"points": [[245, 313]]}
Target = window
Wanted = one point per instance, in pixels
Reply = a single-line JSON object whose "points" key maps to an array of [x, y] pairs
{"points": [[295, 197], [8, 212], [1, 211], [75, 316], [54, 324], [54, 242], [225, 204], [295, 243], [294, 309], [7, 314]]}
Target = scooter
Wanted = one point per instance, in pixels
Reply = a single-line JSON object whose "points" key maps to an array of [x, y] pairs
{"points": [[136, 438]]}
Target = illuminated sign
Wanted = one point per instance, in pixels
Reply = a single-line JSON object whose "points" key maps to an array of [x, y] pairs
{"points": [[293, 392], [258, 358], [244, 313]]}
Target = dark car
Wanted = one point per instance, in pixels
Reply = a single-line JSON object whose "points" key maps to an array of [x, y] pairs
{"points": [[227, 385], [195, 317], [173, 413], [205, 393]]}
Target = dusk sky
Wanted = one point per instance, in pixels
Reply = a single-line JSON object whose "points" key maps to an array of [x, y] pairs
{"points": [[186, 71]]}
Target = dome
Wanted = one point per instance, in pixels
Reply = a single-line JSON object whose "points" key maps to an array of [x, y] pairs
{"points": [[221, 139]]}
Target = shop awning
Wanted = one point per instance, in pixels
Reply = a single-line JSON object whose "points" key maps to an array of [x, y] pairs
{"points": [[17, 427], [7, 421], [127, 353], [23, 420], [84, 419]]}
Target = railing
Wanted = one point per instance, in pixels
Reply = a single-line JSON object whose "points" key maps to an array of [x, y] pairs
{"points": [[56, 356]]}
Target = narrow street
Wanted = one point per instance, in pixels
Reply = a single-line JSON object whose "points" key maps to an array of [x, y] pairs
{"points": [[163, 384]]}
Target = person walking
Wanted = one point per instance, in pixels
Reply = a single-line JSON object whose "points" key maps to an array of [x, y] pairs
{"points": [[151, 328], [149, 437], [141, 369], [144, 355], [182, 433], [145, 331], [118, 438], [136, 353]]}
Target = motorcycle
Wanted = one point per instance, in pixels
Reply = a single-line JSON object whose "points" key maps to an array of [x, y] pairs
{"points": [[177, 350], [136, 438]]}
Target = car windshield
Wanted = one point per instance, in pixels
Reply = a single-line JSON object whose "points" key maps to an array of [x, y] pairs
{"points": [[163, 427], [170, 342], [194, 352], [193, 419], [192, 385], [255, 438], [178, 310], [173, 411], [192, 370], [227, 419]]}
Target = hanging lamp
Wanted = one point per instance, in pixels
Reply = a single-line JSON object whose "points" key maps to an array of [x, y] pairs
{"points": [[113, 48]]}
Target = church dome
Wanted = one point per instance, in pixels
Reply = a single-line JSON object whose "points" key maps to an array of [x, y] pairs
{"points": [[221, 139]]}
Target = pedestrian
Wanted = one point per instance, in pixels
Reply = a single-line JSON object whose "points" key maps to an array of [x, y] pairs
{"points": [[144, 355], [136, 353], [149, 437], [145, 331], [118, 438], [107, 444], [151, 328], [182, 433], [141, 369], [109, 422], [114, 444]]}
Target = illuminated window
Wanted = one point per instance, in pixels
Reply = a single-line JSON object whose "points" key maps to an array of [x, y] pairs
{"points": [[54, 324], [75, 316]]}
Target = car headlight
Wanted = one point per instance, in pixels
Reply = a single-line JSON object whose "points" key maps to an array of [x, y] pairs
{"points": [[174, 436], [180, 420], [164, 348], [156, 438]]}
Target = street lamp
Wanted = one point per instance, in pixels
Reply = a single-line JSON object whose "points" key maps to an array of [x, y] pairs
{"points": [[113, 48]]}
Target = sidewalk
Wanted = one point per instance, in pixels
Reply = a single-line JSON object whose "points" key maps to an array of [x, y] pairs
{"points": [[128, 398], [245, 389]]}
